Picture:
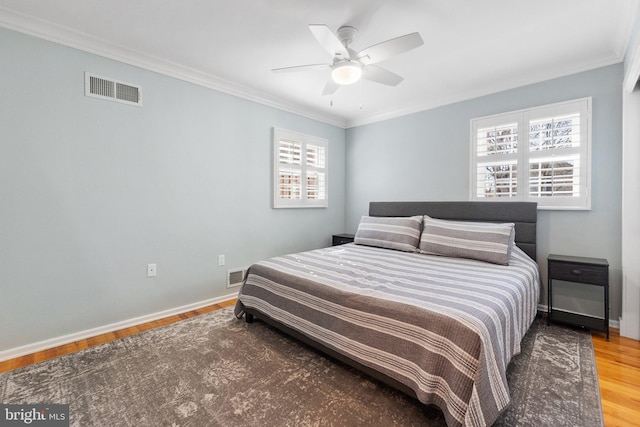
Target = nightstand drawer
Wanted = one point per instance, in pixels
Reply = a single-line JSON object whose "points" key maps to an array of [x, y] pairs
{"points": [[341, 239], [579, 273]]}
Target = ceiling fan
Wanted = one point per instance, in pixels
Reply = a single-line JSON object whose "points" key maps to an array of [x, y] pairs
{"points": [[349, 66]]}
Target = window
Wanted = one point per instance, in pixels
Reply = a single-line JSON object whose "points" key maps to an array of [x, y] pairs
{"points": [[300, 170], [540, 155]]}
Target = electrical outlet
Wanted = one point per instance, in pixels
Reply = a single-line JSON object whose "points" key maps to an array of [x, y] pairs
{"points": [[220, 260], [151, 270]]}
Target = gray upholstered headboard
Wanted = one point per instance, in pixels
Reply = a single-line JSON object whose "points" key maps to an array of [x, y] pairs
{"points": [[523, 214]]}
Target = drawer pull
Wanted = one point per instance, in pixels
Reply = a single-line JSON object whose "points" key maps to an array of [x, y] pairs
{"points": [[576, 272]]}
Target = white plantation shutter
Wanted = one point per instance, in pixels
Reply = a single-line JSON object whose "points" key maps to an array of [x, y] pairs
{"points": [[300, 170], [289, 152], [540, 154], [559, 154], [316, 172], [496, 166]]}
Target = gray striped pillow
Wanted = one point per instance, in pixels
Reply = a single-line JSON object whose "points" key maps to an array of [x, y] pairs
{"points": [[483, 241], [401, 233]]}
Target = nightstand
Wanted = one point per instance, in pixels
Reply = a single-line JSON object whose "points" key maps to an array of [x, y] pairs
{"points": [[341, 239], [579, 271]]}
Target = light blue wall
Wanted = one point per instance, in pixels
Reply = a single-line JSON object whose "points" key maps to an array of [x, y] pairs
{"points": [[92, 191], [425, 156]]}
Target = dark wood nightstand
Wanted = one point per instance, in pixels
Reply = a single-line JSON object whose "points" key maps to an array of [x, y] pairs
{"points": [[341, 239], [579, 270]]}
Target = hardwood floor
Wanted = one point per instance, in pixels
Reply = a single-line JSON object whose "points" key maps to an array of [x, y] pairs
{"points": [[618, 362], [40, 356]]}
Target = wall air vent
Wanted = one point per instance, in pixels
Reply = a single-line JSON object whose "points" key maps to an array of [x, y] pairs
{"points": [[235, 277], [105, 88]]}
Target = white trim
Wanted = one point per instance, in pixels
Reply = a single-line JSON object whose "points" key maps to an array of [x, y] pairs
{"points": [[630, 315], [66, 36], [481, 91], [543, 309], [524, 158], [62, 35], [633, 69], [304, 141], [621, 39], [630, 311], [12, 353]]}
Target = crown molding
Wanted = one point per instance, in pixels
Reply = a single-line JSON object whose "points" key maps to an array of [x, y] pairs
{"points": [[59, 34], [622, 36], [65, 36], [482, 91]]}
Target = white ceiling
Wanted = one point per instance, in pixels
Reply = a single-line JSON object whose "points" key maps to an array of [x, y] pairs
{"points": [[471, 48]]}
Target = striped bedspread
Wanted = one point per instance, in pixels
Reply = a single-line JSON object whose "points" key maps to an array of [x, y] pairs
{"points": [[445, 327]]}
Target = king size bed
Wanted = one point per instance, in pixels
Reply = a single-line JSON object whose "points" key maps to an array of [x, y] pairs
{"points": [[432, 298]]}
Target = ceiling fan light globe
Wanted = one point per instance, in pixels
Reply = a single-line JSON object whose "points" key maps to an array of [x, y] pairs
{"points": [[346, 73]]}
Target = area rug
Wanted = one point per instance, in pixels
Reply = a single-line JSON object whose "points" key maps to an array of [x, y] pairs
{"points": [[215, 370]]}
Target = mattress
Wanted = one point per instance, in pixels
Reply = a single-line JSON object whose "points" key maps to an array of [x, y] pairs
{"points": [[446, 328]]}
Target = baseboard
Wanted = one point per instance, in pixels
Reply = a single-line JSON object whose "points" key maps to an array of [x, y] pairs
{"points": [[612, 323], [629, 329], [12, 353]]}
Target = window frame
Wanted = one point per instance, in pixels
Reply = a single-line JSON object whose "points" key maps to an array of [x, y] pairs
{"points": [[524, 155], [304, 169]]}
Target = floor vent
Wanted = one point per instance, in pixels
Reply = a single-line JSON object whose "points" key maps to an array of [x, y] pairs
{"points": [[235, 277], [105, 88]]}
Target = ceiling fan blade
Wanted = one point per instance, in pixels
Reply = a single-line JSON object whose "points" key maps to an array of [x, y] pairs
{"points": [[387, 49], [302, 68], [328, 40], [331, 87], [380, 75]]}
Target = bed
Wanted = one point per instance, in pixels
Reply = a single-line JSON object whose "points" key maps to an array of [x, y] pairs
{"points": [[439, 326]]}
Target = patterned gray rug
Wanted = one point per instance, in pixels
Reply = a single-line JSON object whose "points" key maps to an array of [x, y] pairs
{"points": [[214, 370]]}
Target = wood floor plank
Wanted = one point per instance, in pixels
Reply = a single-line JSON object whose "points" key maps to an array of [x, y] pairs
{"points": [[618, 364], [29, 359], [617, 361], [619, 416]]}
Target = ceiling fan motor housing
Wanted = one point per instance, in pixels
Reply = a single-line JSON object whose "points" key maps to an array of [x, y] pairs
{"points": [[346, 34]]}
